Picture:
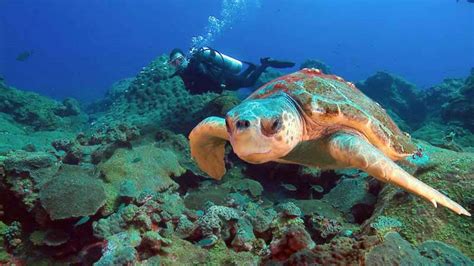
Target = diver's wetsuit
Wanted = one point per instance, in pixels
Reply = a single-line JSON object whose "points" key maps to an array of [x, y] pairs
{"points": [[200, 76]]}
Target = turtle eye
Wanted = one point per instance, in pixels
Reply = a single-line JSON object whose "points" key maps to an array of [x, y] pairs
{"points": [[271, 126]]}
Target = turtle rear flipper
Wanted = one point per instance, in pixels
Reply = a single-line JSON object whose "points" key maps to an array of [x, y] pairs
{"points": [[207, 141], [354, 151]]}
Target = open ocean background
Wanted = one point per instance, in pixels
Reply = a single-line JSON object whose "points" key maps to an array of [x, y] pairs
{"points": [[82, 47]]}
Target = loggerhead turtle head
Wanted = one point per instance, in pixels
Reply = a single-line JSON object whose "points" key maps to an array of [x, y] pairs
{"points": [[262, 130]]}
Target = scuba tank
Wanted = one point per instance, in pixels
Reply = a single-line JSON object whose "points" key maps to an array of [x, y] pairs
{"points": [[226, 63]]}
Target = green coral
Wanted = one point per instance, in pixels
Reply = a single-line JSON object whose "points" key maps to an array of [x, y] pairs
{"points": [[281, 223], [4, 256], [219, 254], [73, 193], [450, 175], [397, 251], [254, 188], [384, 224], [120, 249], [153, 171], [396, 95], [349, 192], [39, 112]]}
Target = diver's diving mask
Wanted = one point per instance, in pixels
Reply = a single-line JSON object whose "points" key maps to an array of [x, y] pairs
{"points": [[177, 60]]}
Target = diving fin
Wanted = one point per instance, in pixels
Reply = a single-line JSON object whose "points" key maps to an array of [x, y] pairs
{"points": [[268, 61]]}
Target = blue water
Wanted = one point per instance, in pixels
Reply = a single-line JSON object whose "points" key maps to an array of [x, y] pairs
{"points": [[82, 46]]}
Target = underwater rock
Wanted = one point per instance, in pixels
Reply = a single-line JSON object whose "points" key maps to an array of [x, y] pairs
{"points": [[73, 153], [221, 104], [147, 211], [289, 209], [383, 224], [244, 237], [267, 75], [311, 63], [12, 235], [69, 107], [51, 238], [318, 207], [128, 189], [25, 173], [14, 136], [396, 95], [111, 134], [261, 218], [4, 256], [340, 251], [451, 172], [178, 143], [38, 112], [217, 219], [152, 98], [120, 249], [396, 250], [349, 193], [152, 170], [451, 137], [185, 227], [442, 254], [73, 192], [251, 187], [146, 220], [292, 239], [153, 242], [461, 107], [118, 88], [182, 252], [440, 94], [23, 161], [323, 228], [195, 199]]}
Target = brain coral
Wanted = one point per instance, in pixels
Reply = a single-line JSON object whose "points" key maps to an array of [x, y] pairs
{"points": [[72, 193]]}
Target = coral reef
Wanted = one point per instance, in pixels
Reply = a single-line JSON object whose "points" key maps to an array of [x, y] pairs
{"points": [[38, 112], [73, 192], [450, 172], [461, 107], [118, 186], [396, 250], [152, 98], [400, 98]]}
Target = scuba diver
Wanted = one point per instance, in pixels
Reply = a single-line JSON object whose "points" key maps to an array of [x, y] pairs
{"points": [[209, 70]]}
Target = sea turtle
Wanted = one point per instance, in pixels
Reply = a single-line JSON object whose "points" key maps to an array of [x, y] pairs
{"points": [[309, 118]]}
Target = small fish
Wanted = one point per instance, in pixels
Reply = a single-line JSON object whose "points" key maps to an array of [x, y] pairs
{"points": [[289, 187], [22, 57], [82, 221], [317, 188]]}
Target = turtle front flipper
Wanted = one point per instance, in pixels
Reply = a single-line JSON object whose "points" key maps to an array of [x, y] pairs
{"points": [[207, 141], [354, 151]]}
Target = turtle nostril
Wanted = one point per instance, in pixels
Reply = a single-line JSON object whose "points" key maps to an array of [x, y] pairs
{"points": [[242, 124]]}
